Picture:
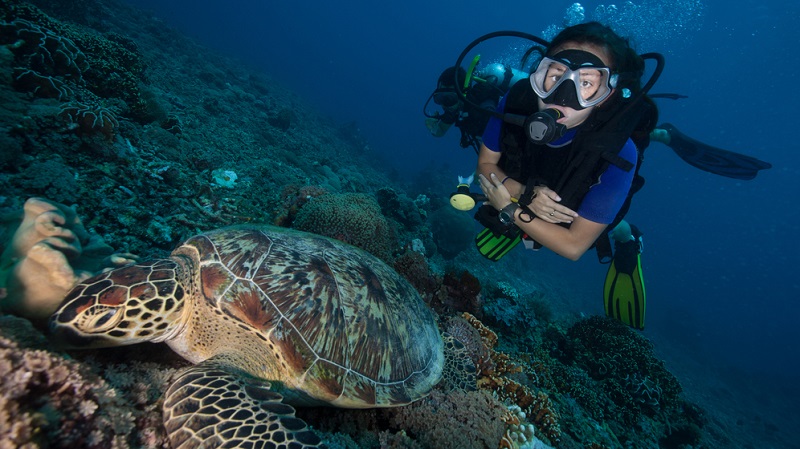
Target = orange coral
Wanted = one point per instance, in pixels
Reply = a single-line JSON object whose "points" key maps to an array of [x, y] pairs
{"points": [[544, 417], [510, 419], [537, 406], [507, 441], [488, 335]]}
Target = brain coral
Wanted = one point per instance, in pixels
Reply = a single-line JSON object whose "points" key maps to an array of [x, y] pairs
{"points": [[350, 217]]}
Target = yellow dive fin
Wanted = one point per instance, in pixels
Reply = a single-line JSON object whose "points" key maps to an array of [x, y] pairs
{"points": [[623, 292]]}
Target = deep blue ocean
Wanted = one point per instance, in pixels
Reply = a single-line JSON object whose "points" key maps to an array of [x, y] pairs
{"points": [[721, 256]]}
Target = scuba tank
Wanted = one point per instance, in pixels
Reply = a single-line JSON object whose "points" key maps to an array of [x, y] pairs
{"points": [[496, 73]]}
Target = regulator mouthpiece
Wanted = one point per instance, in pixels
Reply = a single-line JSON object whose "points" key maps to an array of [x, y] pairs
{"points": [[543, 128]]}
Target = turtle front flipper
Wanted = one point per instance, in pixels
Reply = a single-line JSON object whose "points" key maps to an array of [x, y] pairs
{"points": [[459, 370], [210, 406]]}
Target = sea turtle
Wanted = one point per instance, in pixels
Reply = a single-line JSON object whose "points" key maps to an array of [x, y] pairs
{"points": [[269, 317]]}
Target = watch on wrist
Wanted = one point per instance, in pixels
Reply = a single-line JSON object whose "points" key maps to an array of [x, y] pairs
{"points": [[506, 215]]}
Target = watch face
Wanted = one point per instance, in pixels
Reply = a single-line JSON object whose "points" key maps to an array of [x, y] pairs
{"points": [[506, 215]]}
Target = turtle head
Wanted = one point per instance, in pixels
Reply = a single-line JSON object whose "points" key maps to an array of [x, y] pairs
{"points": [[132, 304]]}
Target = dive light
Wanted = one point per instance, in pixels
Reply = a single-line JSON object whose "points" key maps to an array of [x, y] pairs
{"points": [[462, 199]]}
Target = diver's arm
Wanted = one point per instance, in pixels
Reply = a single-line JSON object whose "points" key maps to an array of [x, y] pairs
{"points": [[569, 242], [487, 164], [544, 200]]}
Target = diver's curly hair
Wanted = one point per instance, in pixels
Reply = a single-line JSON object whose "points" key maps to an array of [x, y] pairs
{"points": [[624, 59]]}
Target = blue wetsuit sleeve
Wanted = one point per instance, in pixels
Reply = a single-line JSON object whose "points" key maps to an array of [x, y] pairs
{"points": [[606, 198], [491, 134]]}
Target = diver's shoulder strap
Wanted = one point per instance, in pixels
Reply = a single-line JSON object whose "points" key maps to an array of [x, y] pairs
{"points": [[521, 99]]}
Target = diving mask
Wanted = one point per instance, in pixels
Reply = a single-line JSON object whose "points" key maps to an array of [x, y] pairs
{"points": [[591, 81], [445, 97]]}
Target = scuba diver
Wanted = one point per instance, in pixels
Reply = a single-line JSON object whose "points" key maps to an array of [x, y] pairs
{"points": [[469, 115], [560, 155]]}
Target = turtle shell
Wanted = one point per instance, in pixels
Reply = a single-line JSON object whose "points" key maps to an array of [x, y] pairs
{"points": [[342, 326]]}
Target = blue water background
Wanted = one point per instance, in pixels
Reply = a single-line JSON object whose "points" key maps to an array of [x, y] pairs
{"points": [[721, 255]]}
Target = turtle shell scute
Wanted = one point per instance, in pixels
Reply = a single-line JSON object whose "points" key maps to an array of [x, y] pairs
{"points": [[336, 314]]}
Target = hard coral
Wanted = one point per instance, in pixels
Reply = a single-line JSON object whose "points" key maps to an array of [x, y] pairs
{"points": [[536, 405], [457, 419], [462, 294], [624, 364], [90, 120], [43, 50], [293, 198], [48, 400], [413, 266], [45, 256], [350, 217]]}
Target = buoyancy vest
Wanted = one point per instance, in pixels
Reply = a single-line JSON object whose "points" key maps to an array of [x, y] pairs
{"points": [[570, 170]]}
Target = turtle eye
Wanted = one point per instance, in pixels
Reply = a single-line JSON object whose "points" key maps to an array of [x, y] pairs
{"points": [[101, 319]]}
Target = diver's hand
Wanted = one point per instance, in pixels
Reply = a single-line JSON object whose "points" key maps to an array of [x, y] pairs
{"points": [[545, 206], [496, 193], [437, 126], [432, 123]]}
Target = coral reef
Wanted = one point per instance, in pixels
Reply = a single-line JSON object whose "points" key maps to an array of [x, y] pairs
{"points": [[413, 266], [536, 405], [623, 362], [456, 419], [292, 199], [50, 401], [458, 293], [83, 119]]}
